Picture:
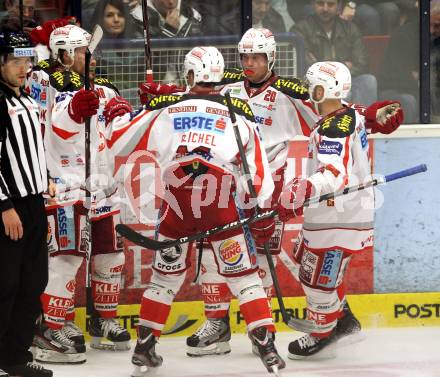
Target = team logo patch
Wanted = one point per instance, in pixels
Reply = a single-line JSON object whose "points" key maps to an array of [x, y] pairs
{"points": [[171, 254], [70, 286], [230, 252]]}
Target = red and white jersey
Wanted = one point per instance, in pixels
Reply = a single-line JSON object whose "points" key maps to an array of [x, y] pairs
{"points": [[39, 87], [281, 113], [65, 150], [338, 157], [182, 130]]}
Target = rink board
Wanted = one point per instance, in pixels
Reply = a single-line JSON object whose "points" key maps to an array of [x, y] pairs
{"points": [[373, 310]]}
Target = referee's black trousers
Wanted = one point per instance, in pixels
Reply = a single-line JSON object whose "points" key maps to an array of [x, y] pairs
{"points": [[23, 278]]}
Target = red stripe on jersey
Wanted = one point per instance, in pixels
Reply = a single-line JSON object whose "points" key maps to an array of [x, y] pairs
{"points": [[63, 134], [305, 127], [346, 157], [332, 170], [118, 133], [143, 143], [258, 164]]}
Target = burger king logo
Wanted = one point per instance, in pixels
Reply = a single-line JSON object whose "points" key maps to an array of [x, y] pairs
{"points": [[230, 252]]}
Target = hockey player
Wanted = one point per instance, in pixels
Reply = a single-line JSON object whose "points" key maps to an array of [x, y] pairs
{"points": [[333, 230], [192, 137], [282, 111], [67, 105]]}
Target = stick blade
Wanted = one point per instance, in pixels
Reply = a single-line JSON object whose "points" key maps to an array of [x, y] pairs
{"points": [[303, 325], [97, 35], [138, 239]]}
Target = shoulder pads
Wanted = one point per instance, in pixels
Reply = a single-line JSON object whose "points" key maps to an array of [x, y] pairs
{"points": [[43, 65], [341, 123], [66, 81], [106, 82], [162, 101], [232, 75], [291, 87], [241, 108]]}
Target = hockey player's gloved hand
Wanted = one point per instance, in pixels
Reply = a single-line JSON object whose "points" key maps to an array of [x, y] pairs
{"points": [[156, 89], [116, 107], [384, 117], [262, 230], [41, 34], [84, 103], [291, 203]]}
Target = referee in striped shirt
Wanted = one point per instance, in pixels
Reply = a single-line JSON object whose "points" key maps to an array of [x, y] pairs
{"points": [[23, 225]]}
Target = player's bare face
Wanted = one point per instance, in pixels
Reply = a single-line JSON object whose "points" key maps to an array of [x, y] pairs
{"points": [[114, 20], [318, 93], [326, 10], [79, 64], [255, 67], [14, 71]]}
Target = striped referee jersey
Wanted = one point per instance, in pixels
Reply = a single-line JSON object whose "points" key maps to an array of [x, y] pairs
{"points": [[22, 159]]}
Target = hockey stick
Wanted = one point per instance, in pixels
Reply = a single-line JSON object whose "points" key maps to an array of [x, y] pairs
{"points": [[146, 23], [94, 41], [253, 195], [149, 243]]}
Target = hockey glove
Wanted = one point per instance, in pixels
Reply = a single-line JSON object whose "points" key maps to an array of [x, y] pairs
{"points": [[116, 107], [41, 34], [291, 203], [155, 89], [384, 117], [84, 103], [262, 230]]}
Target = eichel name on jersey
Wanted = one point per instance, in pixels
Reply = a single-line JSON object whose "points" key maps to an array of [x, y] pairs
{"points": [[291, 87], [240, 107]]}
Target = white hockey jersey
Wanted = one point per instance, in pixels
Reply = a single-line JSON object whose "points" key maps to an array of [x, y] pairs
{"points": [[281, 112], [338, 157], [65, 147], [188, 129]]}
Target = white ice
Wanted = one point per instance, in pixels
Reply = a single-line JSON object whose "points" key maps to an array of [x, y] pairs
{"points": [[404, 352]]}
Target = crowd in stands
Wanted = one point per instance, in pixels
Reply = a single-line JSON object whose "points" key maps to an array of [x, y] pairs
{"points": [[378, 40]]}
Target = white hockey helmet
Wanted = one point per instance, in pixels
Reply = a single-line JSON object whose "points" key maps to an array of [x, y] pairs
{"points": [[207, 64], [68, 38], [334, 77], [259, 41]]}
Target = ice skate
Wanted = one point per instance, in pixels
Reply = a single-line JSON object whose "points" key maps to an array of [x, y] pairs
{"points": [[211, 338], [309, 345], [52, 346], [348, 329], [73, 332], [3, 373], [145, 358], [28, 370], [118, 338], [264, 340]]}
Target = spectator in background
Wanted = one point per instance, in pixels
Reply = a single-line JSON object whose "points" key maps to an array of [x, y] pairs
{"points": [[12, 18], [219, 17], [264, 16], [114, 18], [169, 18], [399, 74], [329, 38], [281, 7], [374, 16], [435, 61]]}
